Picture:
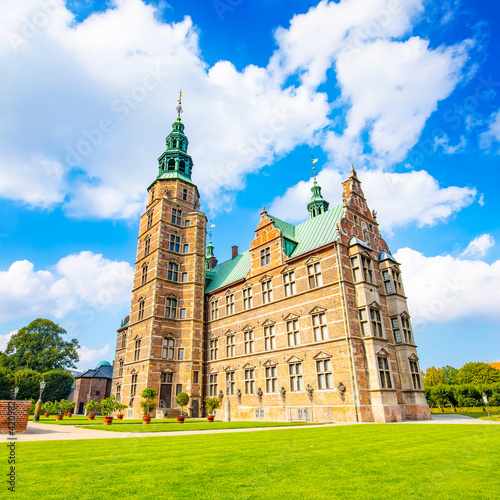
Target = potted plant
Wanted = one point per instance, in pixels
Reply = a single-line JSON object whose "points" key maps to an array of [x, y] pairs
{"points": [[120, 407], [47, 408], [212, 404], [57, 408], [108, 406], [69, 409], [182, 399], [148, 404], [91, 407]]}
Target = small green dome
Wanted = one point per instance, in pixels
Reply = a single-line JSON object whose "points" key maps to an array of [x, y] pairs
{"points": [[103, 363]]}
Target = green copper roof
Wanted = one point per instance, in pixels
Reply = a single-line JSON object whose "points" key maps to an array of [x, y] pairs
{"points": [[229, 271], [175, 175], [311, 234]]}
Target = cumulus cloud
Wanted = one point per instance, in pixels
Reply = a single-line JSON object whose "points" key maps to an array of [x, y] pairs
{"points": [[490, 139], [95, 109], [76, 280], [4, 339], [89, 357], [400, 199], [479, 246], [444, 288]]}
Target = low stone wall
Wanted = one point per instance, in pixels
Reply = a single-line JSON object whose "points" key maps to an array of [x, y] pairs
{"points": [[14, 416]]}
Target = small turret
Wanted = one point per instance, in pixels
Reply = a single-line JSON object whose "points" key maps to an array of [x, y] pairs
{"points": [[318, 204]]}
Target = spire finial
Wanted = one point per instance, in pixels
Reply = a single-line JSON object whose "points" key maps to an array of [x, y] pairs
{"points": [[353, 171], [179, 106], [210, 231], [313, 161]]}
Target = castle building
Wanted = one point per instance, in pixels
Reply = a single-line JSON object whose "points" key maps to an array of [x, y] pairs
{"points": [[310, 323]]}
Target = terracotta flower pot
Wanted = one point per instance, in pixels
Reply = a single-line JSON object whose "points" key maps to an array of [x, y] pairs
{"points": [[107, 420], [146, 420], [180, 419], [59, 417], [210, 418], [46, 415], [91, 416], [119, 417], [69, 415]]}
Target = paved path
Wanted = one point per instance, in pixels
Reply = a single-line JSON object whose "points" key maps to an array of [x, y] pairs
{"points": [[54, 432]]}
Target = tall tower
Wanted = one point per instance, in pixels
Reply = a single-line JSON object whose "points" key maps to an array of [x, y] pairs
{"points": [[161, 346]]}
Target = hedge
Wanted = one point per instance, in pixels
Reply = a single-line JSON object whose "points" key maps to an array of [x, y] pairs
{"points": [[464, 395]]}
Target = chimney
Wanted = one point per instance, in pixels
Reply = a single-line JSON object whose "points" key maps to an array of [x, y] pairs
{"points": [[212, 262], [235, 251]]}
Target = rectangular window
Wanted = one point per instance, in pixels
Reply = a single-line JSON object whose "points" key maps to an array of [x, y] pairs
{"points": [[184, 194], [184, 277], [325, 376], [271, 379], [214, 349], [396, 331], [269, 338], [397, 281], [170, 308], [250, 381], [265, 256], [319, 327], [405, 322], [230, 347], [247, 299], [178, 388], [187, 223], [137, 349], [387, 282], [150, 220], [186, 249], [118, 393], [267, 292], [147, 245], [367, 269], [124, 340], [175, 242], [296, 382], [289, 284], [355, 269], [133, 385], [168, 351], [365, 328], [314, 274], [376, 319], [173, 271], [248, 335], [292, 329], [259, 413], [141, 310], [229, 304], [195, 377], [385, 374], [230, 384], [176, 216], [144, 274], [212, 384], [214, 309], [180, 353], [415, 375], [183, 313], [120, 368]]}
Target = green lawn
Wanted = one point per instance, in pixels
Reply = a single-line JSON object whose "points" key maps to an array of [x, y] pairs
{"points": [[189, 426], [495, 415], [354, 462]]}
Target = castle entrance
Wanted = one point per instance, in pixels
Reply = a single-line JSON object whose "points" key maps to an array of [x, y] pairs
{"points": [[166, 389]]}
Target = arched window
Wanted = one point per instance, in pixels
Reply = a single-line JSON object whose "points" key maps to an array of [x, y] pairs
{"points": [[171, 164], [182, 166], [141, 309], [173, 271]]}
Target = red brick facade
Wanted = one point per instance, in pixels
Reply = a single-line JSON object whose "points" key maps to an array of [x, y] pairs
{"points": [[14, 416]]}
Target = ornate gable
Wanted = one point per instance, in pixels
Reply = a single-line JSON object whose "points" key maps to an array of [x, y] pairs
{"points": [[265, 278], [248, 327], [413, 357], [270, 362], [317, 310], [229, 368], [230, 332], [311, 260], [268, 322], [287, 269], [374, 305], [290, 316], [322, 355], [382, 352], [248, 365], [294, 359]]}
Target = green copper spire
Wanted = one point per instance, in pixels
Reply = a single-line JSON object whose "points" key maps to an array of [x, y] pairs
{"points": [[318, 204], [175, 162], [210, 248]]}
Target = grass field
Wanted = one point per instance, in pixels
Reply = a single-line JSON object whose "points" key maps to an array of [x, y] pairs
{"points": [[360, 462], [190, 426], [495, 415]]}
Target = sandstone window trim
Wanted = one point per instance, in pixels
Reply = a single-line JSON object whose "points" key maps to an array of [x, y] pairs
{"points": [[140, 313], [118, 392], [144, 277], [173, 271], [247, 298], [293, 332], [250, 380], [171, 305], [120, 367], [265, 256], [214, 349], [249, 340], [376, 322], [324, 373], [133, 384], [384, 370], [314, 276], [214, 309], [267, 290], [168, 347], [147, 245], [149, 223], [271, 374], [230, 382], [319, 324], [230, 344], [229, 303], [174, 243], [296, 376], [269, 337], [123, 340], [176, 216], [212, 384], [289, 285]]}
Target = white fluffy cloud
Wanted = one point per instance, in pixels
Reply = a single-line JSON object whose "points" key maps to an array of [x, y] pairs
{"points": [[490, 139], [399, 199], [479, 246], [76, 280], [444, 288], [94, 108], [88, 357], [4, 339]]}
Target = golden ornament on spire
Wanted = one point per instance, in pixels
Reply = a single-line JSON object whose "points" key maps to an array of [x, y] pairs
{"points": [[179, 106]]}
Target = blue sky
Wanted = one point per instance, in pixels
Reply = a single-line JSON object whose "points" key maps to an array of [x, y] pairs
{"points": [[407, 91]]}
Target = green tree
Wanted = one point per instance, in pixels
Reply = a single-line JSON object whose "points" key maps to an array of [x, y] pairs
{"points": [[59, 383], [40, 346], [450, 375], [434, 376], [6, 383], [478, 373], [28, 382]]}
